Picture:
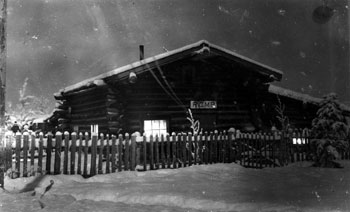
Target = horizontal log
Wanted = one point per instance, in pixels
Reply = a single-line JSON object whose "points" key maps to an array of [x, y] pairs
{"points": [[89, 118], [133, 113], [89, 110], [135, 128], [91, 95], [63, 120], [133, 122], [110, 102], [60, 111], [111, 122], [91, 103], [61, 103], [87, 103], [112, 96], [112, 114], [112, 111], [115, 117], [226, 126], [88, 114], [114, 130], [232, 117], [62, 107], [64, 126], [88, 123], [88, 126]]}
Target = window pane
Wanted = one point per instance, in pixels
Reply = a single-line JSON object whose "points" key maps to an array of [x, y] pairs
{"points": [[147, 125], [162, 124], [155, 124]]}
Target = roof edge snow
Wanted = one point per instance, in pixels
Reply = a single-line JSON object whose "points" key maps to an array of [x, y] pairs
{"points": [[305, 98], [293, 94]]}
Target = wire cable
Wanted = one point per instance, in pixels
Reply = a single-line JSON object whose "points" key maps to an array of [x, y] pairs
{"points": [[165, 90], [168, 85]]}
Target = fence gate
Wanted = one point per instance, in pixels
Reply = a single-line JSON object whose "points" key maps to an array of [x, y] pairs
{"points": [[261, 150]]}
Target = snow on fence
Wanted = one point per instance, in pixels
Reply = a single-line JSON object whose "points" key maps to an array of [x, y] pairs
{"points": [[88, 155]]}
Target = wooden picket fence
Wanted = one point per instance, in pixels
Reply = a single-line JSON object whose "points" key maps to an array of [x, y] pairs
{"points": [[26, 155], [5, 158], [88, 155]]}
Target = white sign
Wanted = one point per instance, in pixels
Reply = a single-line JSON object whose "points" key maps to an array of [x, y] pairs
{"points": [[203, 105]]}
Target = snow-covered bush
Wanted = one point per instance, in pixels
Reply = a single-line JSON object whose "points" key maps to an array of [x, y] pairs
{"points": [[329, 132]]}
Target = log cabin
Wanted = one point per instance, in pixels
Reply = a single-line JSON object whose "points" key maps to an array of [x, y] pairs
{"points": [[218, 87]]}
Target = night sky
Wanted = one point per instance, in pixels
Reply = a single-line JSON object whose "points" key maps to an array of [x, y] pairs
{"points": [[56, 43]]}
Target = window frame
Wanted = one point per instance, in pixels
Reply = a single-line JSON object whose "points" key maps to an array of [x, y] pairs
{"points": [[166, 129]]}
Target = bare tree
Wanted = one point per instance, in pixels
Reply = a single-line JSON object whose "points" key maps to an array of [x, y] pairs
{"points": [[29, 107], [282, 118]]}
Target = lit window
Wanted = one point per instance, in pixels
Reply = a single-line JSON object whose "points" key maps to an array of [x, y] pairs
{"points": [[299, 141], [155, 127]]}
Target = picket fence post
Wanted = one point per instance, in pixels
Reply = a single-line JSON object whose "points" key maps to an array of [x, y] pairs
{"points": [[120, 151], [66, 147], [173, 154], [57, 165], [40, 154], [126, 152], [133, 153], [94, 137], [107, 154], [18, 153], [72, 153], [114, 150], [144, 143], [80, 148], [100, 154], [86, 148]]}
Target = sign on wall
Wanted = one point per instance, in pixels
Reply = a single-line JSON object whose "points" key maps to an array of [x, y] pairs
{"points": [[203, 105]]}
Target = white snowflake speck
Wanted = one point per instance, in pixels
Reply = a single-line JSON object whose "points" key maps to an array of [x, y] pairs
{"points": [[281, 12], [275, 42]]}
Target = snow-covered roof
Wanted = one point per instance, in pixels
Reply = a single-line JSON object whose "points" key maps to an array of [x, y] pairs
{"points": [[305, 98], [293, 94], [41, 119], [188, 50]]}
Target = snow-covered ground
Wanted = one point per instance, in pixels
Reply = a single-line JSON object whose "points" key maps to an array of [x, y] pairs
{"points": [[218, 187]]}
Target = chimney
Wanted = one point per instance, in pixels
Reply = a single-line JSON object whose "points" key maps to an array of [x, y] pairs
{"points": [[142, 55]]}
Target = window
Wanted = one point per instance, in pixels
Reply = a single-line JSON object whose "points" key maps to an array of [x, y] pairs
{"points": [[155, 127], [299, 141]]}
